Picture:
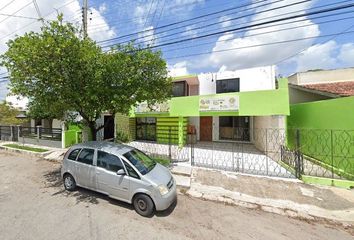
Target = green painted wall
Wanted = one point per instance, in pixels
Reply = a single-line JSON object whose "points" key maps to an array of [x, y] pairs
{"points": [[326, 114], [166, 126], [253, 103], [326, 130]]}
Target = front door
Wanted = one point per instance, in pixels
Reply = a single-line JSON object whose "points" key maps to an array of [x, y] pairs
{"points": [[206, 128], [108, 132], [117, 186]]}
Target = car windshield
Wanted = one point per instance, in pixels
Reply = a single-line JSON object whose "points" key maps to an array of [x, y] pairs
{"points": [[140, 160]]}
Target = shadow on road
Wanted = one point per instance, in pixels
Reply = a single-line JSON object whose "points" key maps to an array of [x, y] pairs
{"points": [[53, 180]]}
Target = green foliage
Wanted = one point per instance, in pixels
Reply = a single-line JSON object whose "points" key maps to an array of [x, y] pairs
{"points": [[122, 137], [27, 148], [8, 115], [61, 72]]}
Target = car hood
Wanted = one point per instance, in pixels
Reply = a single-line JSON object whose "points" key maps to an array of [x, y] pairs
{"points": [[159, 175]]}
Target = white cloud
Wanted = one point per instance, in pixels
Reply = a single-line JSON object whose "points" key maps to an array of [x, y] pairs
{"points": [[319, 56], [12, 26], [147, 36], [98, 28], [264, 55], [190, 32], [346, 55], [178, 69], [102, 8], [224, 21]]}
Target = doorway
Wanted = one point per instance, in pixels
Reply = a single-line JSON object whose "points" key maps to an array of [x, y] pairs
{"points": [[206, 128], [234, 128], [108, 132]]}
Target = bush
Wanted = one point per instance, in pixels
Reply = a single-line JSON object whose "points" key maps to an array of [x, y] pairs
{"points": [[122, 137]]}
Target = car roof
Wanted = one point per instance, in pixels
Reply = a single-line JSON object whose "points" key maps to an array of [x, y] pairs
{"points": [[110, 147]]}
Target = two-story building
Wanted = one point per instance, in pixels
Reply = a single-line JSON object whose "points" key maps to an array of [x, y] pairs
{"points": [[223, 106]]}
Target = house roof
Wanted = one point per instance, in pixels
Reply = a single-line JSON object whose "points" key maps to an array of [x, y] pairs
{"points": [[341, 89]]}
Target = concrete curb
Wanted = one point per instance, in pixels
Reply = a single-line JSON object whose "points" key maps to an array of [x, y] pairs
{"points": [[34, 154], [282, 207]]}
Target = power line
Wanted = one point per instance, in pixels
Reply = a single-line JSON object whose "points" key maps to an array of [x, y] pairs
{"points": [[263, 33], [17, 16], [179, 22], [176, 6], [261, 45], [16, 11], [270, 18], [303, 50], [232, 19], [7, 4], [211, 24], [252, 25], [25, 26]]}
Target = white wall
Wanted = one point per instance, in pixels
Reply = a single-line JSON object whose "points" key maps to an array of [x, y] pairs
{"points": [[251, 79], [195, 121], [324, 76]]}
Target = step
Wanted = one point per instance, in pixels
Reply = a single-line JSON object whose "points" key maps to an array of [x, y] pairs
{"points": [[182, 170], [182, 181]]}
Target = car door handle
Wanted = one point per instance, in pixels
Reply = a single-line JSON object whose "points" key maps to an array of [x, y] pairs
{"points": [[125, 188]]}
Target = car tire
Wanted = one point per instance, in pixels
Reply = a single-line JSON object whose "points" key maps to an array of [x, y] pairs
{"points": [[143, 205], [69, 182]]}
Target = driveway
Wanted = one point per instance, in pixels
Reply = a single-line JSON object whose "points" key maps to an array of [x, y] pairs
{"points": [[34, 205]]}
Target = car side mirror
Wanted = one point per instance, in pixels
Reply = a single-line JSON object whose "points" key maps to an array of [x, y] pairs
{"points": [[121, 172]]}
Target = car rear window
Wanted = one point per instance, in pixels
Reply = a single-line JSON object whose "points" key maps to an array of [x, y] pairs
{"points": [[73, 154], [86, 156]]}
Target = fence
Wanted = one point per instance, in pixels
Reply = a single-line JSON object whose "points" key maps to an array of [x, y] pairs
{"points": [[164, 144], [272, 152], [324, 153], [50, 137], [5, 133]]}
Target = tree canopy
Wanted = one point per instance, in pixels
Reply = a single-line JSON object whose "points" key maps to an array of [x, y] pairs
{"points": [[58, 70], [8, 115]]}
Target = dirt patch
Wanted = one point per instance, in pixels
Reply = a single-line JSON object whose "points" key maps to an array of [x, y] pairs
{"points": [[276, 189]]}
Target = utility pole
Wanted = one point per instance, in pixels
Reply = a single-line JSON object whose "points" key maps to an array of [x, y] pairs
{"points": [[84, 17], [38, 11]]}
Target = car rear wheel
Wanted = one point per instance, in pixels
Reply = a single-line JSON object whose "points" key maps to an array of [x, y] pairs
{"points": [[69, 182], [143, 205]]}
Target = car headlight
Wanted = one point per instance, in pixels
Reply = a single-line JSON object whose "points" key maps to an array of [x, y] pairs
{"points": [[163, 189]]}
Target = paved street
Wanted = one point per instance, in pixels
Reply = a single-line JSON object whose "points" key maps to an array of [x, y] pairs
{"points": [[34, 205]]}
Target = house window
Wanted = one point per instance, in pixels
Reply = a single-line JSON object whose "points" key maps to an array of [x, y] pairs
{"points": [[234, 128], [179, 89], [146, 128], [228, 85]]}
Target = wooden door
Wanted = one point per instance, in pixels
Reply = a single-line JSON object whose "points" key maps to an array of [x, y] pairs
{"points": [[206, 128]]}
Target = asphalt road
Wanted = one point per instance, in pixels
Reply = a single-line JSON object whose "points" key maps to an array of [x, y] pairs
{"points": [[34, 205]]}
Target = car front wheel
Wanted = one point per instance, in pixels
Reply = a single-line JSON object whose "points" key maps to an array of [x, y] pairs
{"points": [[143, 205], [69, 182]]}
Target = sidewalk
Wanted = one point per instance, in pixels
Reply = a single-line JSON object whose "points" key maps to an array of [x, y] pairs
{"points": [[53, 154], [282, 196]]}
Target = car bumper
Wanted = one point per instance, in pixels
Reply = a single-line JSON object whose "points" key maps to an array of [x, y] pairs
{"points": [[164, 202]]}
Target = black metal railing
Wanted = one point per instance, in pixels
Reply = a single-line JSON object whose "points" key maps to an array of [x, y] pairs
{"points": [[54, 134]]}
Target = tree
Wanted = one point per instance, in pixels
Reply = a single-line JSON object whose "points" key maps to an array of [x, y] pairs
{"points": [[8, 115], [60, 68]]}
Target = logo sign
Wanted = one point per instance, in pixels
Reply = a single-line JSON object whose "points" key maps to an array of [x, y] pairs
{"points": [[155, 108], [225, 103]]}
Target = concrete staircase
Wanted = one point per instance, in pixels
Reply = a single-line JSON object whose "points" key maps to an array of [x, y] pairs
{"points": [[182, 175]]}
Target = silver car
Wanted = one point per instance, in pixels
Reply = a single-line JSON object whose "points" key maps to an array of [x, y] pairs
{"points": [[122, 172]]}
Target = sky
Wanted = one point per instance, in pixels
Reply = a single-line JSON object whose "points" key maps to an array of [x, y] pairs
{"points": [[317, 41]]}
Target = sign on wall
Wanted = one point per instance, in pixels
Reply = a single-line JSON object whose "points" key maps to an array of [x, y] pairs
{"points": [[156, 108], [225, 103]]}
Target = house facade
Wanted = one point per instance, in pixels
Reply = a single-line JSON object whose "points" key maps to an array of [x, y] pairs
{"points": [[223, 106]]}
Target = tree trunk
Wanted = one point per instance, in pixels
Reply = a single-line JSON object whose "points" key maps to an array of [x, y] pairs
{"points": [[93, 130]]}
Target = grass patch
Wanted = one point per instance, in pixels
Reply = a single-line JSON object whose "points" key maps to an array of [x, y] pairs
{"points": [[163, 161], [32, 149]]}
